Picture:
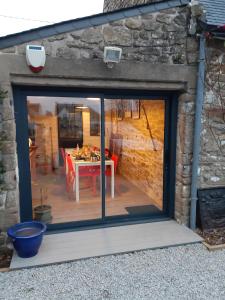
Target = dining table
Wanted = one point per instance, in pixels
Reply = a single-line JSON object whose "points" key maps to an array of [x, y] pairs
{"points": [[77, 163]]}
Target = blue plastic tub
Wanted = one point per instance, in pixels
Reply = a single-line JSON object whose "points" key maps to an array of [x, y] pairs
{"points": [[27, 237]]}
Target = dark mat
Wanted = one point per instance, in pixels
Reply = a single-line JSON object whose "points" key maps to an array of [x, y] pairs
{"points": [[142, 210]]}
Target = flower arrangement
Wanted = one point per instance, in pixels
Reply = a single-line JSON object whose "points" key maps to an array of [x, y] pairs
{"points": [[87, 152]]}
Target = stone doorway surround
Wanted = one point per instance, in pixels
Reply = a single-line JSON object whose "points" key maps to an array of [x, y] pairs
{"points": [[178, 79], [154, 60]]}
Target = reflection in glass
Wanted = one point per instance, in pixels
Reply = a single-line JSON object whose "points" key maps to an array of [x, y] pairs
{"points": [[64, 144], [65, 157], [135, 139]]}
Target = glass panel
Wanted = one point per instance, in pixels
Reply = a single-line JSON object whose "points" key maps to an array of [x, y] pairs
{"points": [[64, 143], [135, 149]]}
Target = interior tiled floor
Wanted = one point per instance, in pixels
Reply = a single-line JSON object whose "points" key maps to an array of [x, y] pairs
{"points": [[66, 209]]}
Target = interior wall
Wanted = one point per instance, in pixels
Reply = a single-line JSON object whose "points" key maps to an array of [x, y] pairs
{"points": [[87, 138], [46, 138], [141, 160]]}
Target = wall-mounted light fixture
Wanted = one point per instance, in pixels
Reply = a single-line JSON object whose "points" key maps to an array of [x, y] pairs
{"points": [[112, 56]]}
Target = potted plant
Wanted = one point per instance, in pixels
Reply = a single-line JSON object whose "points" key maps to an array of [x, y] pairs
{"points": [[43, 212]]}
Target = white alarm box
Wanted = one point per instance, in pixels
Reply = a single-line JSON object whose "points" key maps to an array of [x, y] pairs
{"points": [[36, 57]]}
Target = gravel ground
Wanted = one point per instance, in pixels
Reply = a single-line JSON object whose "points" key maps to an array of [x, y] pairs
{"points": [[187, 272]]}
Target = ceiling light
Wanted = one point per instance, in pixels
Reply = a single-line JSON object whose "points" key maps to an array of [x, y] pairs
{"points": [[93, 99], [81, 107]]}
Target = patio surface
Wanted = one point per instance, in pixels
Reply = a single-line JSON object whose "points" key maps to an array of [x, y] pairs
{"points": [[64, 247]]}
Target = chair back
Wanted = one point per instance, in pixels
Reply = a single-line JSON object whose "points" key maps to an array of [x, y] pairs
{"points": [[70, 174], [63, 154], [115, 158], [62, 150], [107, 152], [70, 168], [116, 144], [96, 148]]}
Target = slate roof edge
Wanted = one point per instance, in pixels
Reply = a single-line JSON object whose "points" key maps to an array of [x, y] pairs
{"points": [[86, 22], [215, 30], [214, 12]]}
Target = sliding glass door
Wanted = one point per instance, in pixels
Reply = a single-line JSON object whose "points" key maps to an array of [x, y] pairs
{"points": [[92, 159], [64, 152], [134, 133]]}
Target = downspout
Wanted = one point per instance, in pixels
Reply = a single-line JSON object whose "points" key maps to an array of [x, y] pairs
{"points": [[197, 131]]}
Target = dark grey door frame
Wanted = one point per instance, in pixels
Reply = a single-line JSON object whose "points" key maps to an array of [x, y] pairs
{"points": [[20, 107]]}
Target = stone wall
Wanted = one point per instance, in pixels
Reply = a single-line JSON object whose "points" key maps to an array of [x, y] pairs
{"points": [[141, 160], [87, 138], [9, 192], [159, 38], [110, 5], [212, 160], [213, 121], [184, 155]]}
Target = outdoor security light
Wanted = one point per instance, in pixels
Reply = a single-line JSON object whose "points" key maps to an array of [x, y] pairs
{"points": [[112, 55]]}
